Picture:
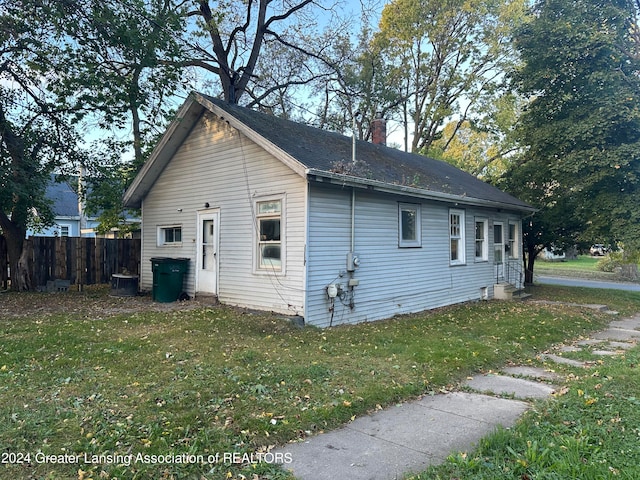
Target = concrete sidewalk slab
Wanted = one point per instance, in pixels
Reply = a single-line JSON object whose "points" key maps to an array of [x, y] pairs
{"points": [[408, 438], [531, 372], [604, 353], [622, 345], [626, 323], [504, 385], [618, 334], [564, 361], [401, 439]]}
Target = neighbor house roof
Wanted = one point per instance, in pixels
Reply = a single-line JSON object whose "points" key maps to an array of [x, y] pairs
{"points": [[63, 197], [321, 155]]}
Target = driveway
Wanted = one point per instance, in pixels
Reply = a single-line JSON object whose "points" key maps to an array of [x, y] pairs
{"points": [[579, 282]]}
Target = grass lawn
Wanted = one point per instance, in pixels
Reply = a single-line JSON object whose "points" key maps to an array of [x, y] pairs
{"points": [[584, 263], [589, 431], [584, 266], [97, 386]]}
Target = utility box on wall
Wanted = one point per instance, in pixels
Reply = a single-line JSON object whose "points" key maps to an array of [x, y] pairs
{"points": [[353, 261]]}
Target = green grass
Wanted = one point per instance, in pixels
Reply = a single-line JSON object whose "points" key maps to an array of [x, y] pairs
{"points": [[584, 266], [589, 431], [621, 301], [584, 263], [219, 380]]}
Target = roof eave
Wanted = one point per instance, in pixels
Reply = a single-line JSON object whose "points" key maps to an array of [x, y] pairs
{"points": [[348, 180]]}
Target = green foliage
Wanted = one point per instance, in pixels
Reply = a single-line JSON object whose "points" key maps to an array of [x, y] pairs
{"points": [[69, 68], [582, 124], [446, 59], [616, 260], [37, 134], [610, 262]]}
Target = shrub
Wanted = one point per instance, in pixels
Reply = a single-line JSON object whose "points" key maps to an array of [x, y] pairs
{"points": [[610, 262]]}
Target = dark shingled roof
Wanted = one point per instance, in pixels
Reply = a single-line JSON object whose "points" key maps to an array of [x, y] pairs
{"points": [[64, 198], [332, 152]]}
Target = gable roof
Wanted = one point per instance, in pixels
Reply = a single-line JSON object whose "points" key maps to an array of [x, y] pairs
{"points": [[321, 155], [63, 198]]}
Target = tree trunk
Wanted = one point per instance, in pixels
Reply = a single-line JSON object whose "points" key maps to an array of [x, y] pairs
{"points": [[529, 262], [18, 261], [629, 267]]}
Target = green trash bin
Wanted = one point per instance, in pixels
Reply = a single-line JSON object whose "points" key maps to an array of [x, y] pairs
{"points": [[168, 277]]}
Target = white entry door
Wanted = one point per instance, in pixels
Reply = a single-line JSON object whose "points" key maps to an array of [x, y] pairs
{"points": [[498, 249], [207, 256]]}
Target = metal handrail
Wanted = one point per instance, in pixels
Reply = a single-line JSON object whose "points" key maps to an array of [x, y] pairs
{"points": [[512, 272]]}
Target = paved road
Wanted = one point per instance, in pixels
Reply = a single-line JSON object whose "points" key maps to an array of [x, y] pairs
{"points": [[579, 282]]}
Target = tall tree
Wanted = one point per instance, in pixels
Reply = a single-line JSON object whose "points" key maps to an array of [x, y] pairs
{"points": [[122, 75], [447, 56], [36, 133], [235, 36], [120, 64], [582, 124], [358, 86]]}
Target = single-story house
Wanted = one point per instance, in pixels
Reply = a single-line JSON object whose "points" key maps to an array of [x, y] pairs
{"points": [[280, 216], [69, 220]]}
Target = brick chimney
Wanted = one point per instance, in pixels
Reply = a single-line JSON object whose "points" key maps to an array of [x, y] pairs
{"points": [[379, 130]]}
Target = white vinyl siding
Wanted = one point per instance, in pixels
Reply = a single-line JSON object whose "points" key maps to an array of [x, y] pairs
{"points": [[217, 167], [392, 280]]}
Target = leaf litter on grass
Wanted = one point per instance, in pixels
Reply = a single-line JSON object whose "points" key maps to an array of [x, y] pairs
{"points": [[203, 379]]}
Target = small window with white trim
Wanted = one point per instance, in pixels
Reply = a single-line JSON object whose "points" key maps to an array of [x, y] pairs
{"points": [[482, 246], [270, 235], [456, 237], [409, 231], [169, 235]]}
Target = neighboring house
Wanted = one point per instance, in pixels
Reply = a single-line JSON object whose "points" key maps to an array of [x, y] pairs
{"points": [[551, 256], [66, 207], [275, 215], [70, 219]]}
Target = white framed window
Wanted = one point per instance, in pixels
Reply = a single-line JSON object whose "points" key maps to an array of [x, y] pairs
{"points": [[482, 241], [456, 237], [65, 230], [169, 235], [409, 230], [512, 245], [270, 226]]}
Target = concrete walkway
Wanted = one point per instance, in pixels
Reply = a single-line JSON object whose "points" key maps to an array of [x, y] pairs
{"points": [[409, 437]]}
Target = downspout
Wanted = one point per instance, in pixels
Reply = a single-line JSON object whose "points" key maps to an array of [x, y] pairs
{"points": [[353, 219], [353, 190]]}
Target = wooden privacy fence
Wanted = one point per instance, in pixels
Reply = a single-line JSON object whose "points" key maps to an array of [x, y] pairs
{"points": [[81, 261]]}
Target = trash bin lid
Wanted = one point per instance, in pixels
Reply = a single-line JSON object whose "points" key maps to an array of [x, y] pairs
{"points": [[168, 260]]}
